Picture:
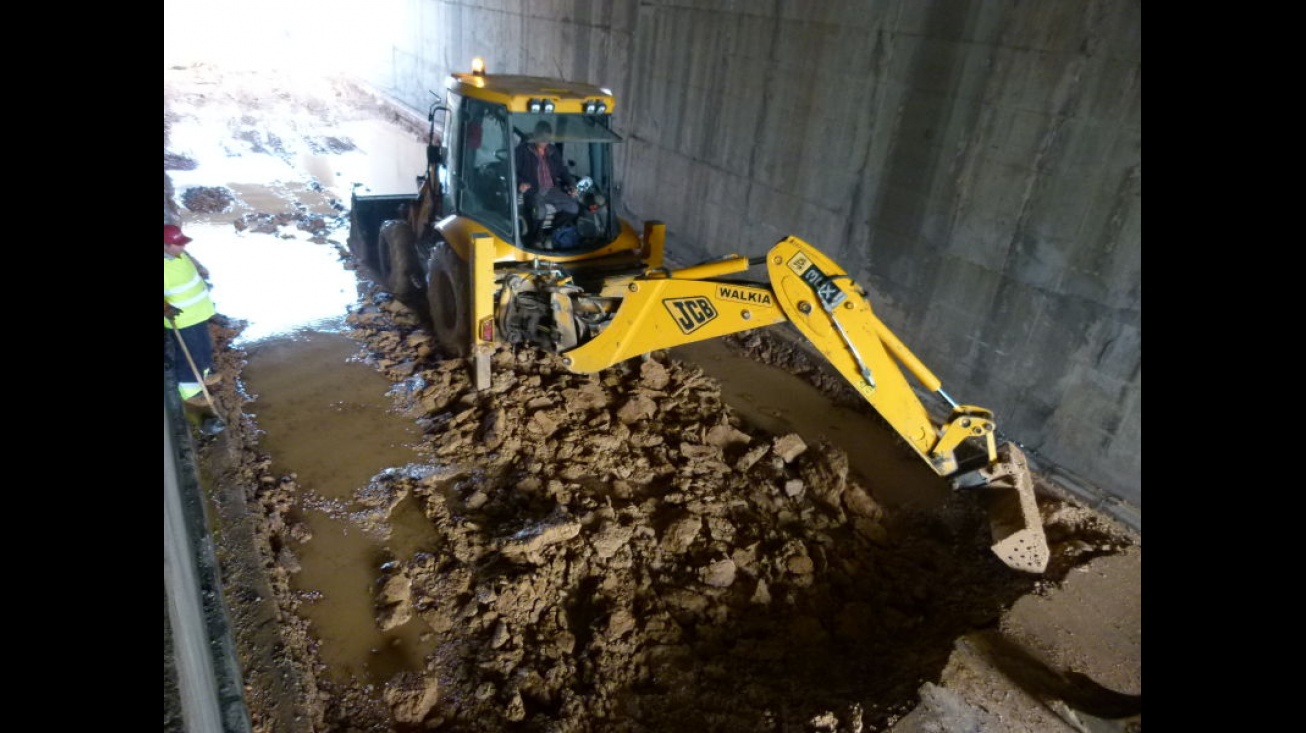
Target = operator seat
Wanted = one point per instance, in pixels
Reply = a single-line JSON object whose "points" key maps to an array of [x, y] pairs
{"points": [[538, 227]]}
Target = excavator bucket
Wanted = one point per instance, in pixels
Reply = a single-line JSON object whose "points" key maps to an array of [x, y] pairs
{"points": [[1014, 520]]}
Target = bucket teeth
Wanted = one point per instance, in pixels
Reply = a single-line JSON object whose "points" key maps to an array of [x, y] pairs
{"points": [[1014, 520]]}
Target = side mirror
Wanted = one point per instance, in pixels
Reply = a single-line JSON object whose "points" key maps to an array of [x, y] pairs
{"points": [[434, 155]]}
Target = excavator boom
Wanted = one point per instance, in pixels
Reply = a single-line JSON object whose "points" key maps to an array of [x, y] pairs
{"points": [[662, 309]]}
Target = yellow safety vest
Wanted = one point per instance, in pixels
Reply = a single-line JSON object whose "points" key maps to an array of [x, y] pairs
{"points": [[183, 288]]}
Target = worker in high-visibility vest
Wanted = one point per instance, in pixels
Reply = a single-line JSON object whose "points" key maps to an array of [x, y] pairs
{"points": [[187, 308]]}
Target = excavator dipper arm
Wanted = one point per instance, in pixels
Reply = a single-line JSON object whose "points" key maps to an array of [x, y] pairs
{"points": [[663, 309]]}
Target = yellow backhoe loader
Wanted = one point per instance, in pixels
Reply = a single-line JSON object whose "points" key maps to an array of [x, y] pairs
{"points": [[491, 262]]}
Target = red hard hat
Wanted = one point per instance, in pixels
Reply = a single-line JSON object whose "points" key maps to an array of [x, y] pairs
{"points": [[172, 235]]}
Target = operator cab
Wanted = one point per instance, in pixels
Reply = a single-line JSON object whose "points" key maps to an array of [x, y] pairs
{"points": [[484, 142]]}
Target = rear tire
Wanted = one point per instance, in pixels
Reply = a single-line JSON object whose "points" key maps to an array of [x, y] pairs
{"points": [[449, 292], [398, 266]]}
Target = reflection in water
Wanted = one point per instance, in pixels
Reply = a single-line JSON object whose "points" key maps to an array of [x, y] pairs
{"points": [[295, 285], [282, 282]]}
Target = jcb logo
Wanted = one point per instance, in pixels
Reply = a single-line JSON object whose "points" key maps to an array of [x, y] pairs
{"points": [[690, 314]]}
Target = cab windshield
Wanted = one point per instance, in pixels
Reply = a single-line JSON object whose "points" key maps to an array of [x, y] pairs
{"points": [[488, 184], [584, 145]]}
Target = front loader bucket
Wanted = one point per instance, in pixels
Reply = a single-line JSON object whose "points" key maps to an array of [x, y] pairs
{"points": [[1018, 537]]}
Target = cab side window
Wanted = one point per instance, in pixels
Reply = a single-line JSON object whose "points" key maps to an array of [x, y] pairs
{"points": [[487, 173]]}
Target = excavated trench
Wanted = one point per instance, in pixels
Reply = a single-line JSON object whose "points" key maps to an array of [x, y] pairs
{"points": [[719, 534]]}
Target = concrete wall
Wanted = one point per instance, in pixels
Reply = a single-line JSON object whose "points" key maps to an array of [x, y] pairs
{"points": [[977, 164]]}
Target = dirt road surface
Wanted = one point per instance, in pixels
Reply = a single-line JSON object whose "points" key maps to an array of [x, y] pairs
{"points": [[622, 551]]}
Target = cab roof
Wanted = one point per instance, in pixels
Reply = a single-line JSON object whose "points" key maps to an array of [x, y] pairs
{"points": [[516, 91]]}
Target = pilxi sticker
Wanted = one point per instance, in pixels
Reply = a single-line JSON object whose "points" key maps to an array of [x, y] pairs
{"points": [[826, 290], [690, 314]]}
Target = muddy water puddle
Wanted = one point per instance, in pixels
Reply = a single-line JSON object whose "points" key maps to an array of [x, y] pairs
{"points": [[327, 420]]}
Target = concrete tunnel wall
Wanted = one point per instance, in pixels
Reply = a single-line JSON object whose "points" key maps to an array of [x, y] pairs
{"points": [[975, 164]]}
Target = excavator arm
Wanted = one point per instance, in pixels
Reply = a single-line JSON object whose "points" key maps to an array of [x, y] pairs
{"points": [[661, 309]]}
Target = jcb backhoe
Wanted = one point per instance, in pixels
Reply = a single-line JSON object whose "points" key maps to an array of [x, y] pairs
{"points": [[492, 263]]}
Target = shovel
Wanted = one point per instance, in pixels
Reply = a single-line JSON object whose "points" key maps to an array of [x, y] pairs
{"points": [[212, 425]]}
